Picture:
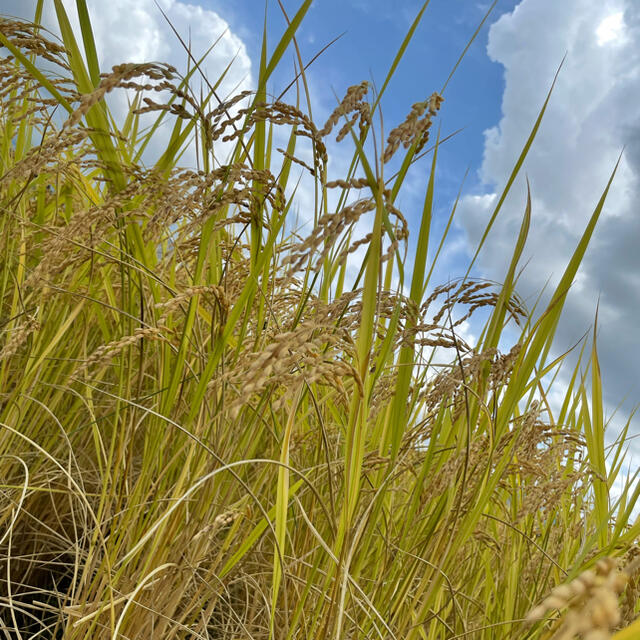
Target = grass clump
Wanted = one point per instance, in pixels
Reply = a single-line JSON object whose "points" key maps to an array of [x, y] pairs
{"points": [[209, 429]]}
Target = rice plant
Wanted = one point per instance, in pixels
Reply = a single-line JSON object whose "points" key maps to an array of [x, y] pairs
{"points": [[212, 426]]}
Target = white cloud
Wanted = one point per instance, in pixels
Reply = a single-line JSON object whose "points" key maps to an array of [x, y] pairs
{"points": [[592, 114], [136, 31], [611, 29]]}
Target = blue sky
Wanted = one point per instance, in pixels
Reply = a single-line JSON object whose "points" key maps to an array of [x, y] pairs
{"points": [[373, 30], [495, 95]]}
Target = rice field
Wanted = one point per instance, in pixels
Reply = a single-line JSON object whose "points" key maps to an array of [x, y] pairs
{"points": [[214, 425]]}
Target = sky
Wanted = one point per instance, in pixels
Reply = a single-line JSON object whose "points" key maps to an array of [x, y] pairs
{"points": [[494, 97]]}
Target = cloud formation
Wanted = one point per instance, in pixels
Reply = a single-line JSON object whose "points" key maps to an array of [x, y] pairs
{"points": [[136, 31], [591, 116]]}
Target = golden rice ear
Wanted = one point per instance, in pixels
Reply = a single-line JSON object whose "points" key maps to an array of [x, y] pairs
{"points": [[352, 101], [415, 128], [591, 601]]}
